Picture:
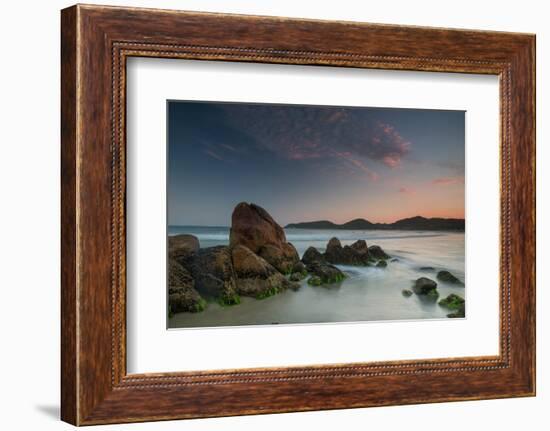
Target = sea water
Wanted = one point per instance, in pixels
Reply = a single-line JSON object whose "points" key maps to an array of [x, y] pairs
{"points": [[367, 294]]}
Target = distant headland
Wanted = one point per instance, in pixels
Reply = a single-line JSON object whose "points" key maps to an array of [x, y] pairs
{"points": [[411, 223]]}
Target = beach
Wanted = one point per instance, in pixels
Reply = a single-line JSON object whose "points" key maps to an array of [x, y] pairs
{"points": [[367, 294]]}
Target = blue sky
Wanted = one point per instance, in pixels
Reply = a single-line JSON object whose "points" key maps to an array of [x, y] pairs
{"points": [[304, 163]]}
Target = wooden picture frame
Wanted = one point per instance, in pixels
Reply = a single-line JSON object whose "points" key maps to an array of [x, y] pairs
{"points": [[95, 43]]}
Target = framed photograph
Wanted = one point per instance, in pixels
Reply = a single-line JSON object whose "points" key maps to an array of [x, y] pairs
{"points": [[267, 215]]}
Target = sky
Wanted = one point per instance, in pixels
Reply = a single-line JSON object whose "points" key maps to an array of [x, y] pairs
{"points": [[305, 163]]}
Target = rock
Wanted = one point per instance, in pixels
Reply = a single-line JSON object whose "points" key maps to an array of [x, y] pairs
{"points": [[181, 247], [282, 258], [461, 312], [357, 254], [212, 269], [447, 277], [253, 227], [360, 246], [297, 276], [182, 295], [312, 255], [382, 264], [452, 302], [255, 276], [314, 281], [425, 286], [328, 274], [376, 252], [426, 268], [300, 268], [406, 292], [394, 260]]}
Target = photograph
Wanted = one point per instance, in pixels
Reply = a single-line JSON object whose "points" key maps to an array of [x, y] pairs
{"points": [[297, 214]]}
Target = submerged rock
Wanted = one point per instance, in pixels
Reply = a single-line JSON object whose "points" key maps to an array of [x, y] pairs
{"points": [[254, 276], [376, 252], [181, 247], [447, 277], [182, 295], [327, 273], [459, 313], [253, 227], [312, 255], [425, 286], [426, 268], [212, 269], [452, 302], [406, 292], [382, 264]]}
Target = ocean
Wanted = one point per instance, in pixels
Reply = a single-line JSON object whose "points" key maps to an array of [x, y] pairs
{"points": [[368, 294]]}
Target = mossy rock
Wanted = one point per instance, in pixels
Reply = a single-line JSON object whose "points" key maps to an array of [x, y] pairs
{"points": [[425, 286], [406, 292], [382, 264], [298, 276], [314, 280], [269, 292], [452, 302], [229, 300]]}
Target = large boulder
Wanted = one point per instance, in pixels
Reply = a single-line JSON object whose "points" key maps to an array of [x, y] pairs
{"points": [[256, 277], [283, 258], [356, 254], [327, 274], [425, 286], [181, 247], [312, 255], [212, 269], [182, 295], [253, 227]]}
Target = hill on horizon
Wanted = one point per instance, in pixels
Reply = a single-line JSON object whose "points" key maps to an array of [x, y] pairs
{"points": [[410, 223]]}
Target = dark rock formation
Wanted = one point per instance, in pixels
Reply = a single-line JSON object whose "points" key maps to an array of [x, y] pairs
{"points": [[253, 227], [212, 269], [254, 276], [312, 255], [460, 312], [447, 277], [181, 247], [425, 286], [376, 252], [182, 295], [328, 274], [382, 264], [356, 254], [406, 292]]}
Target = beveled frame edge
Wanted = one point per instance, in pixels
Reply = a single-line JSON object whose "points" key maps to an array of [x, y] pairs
{"points": [[96, 41]]}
